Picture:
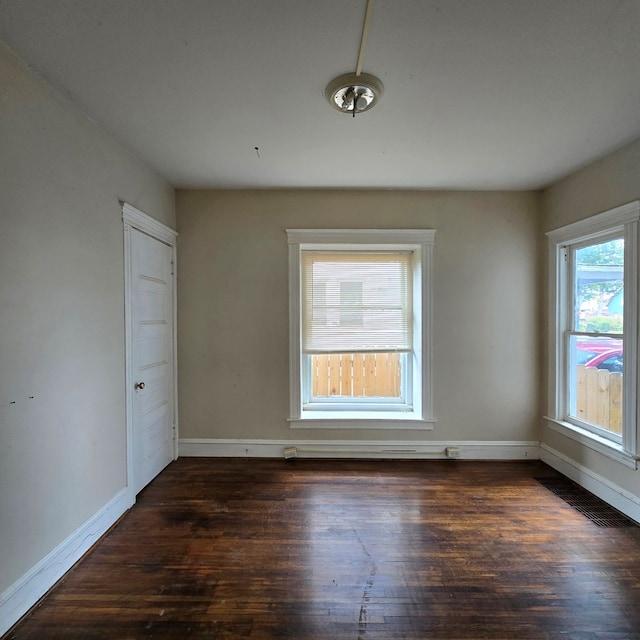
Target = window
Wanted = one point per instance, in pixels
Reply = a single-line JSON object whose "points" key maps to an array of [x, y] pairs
{"points": [[360, 328], [593, 355]]}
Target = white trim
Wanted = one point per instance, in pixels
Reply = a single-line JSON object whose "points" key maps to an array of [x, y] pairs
{"points": [[144, 222], [366, 449], [616, 496], [137, 219], [360, 236], [624, 220], [128, 366], [593, 441], [174, 293], [356, 420], [557, 291], [631, 401], [295, 386], [16, 600], [421, 240], [594, 225]]}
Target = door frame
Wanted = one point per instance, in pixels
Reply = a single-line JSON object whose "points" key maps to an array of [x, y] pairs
{"points": [[134, 218]]}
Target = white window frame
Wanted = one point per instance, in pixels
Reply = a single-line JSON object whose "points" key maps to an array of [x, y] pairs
{"points": [[418, 414], [623, 221]]}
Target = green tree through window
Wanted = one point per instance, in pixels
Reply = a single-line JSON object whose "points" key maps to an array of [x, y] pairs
{"points": [[599, 281]]}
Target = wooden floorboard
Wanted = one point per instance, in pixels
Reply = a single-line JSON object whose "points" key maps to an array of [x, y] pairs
{"points": [[317, 549]]}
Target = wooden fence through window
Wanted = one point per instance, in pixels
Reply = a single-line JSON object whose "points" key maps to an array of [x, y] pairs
{"points": [[357, 375], [360, 375], [599, 397]]}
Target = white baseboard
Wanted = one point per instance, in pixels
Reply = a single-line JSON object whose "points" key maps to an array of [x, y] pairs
{"points": [[469, 450], [27, 590], [608, 491]]}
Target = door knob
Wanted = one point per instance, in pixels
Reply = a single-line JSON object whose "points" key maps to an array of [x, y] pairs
{"points": [[139, 385]]}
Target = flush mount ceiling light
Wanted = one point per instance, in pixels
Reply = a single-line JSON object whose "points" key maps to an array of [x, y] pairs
{"points": [[353, 93], [356, 92]]}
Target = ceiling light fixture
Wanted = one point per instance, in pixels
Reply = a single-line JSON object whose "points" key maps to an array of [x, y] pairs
{"points": [[356, 92]]}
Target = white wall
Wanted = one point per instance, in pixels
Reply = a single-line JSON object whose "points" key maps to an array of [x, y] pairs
{"points": [[233, 309], [607, 183], [62, 411]]}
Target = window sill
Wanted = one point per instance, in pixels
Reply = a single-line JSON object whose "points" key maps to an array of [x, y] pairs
{"points": [[592, 441], [361, 420]]}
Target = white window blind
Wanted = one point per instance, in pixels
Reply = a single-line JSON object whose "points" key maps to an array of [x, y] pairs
{"points": [[356, 301]]}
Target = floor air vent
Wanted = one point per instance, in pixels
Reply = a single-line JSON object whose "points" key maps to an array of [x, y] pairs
{"points": [[598, 511]]}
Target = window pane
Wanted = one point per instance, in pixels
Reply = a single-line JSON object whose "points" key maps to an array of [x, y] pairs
{"points": [[596, 363], [595, 381], [599, 290], [357, 375]]}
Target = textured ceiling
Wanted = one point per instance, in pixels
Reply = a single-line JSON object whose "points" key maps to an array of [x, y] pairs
{"points": [[479, 94]]}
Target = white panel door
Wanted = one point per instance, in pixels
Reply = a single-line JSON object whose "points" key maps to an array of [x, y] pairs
{"points": [[152, 357]]}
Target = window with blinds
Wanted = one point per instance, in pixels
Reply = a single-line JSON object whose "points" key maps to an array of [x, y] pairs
{"points": [[360, 328], [356, 302]]}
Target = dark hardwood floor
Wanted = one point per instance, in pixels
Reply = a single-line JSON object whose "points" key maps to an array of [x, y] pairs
{"points": [[319, 549]]}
